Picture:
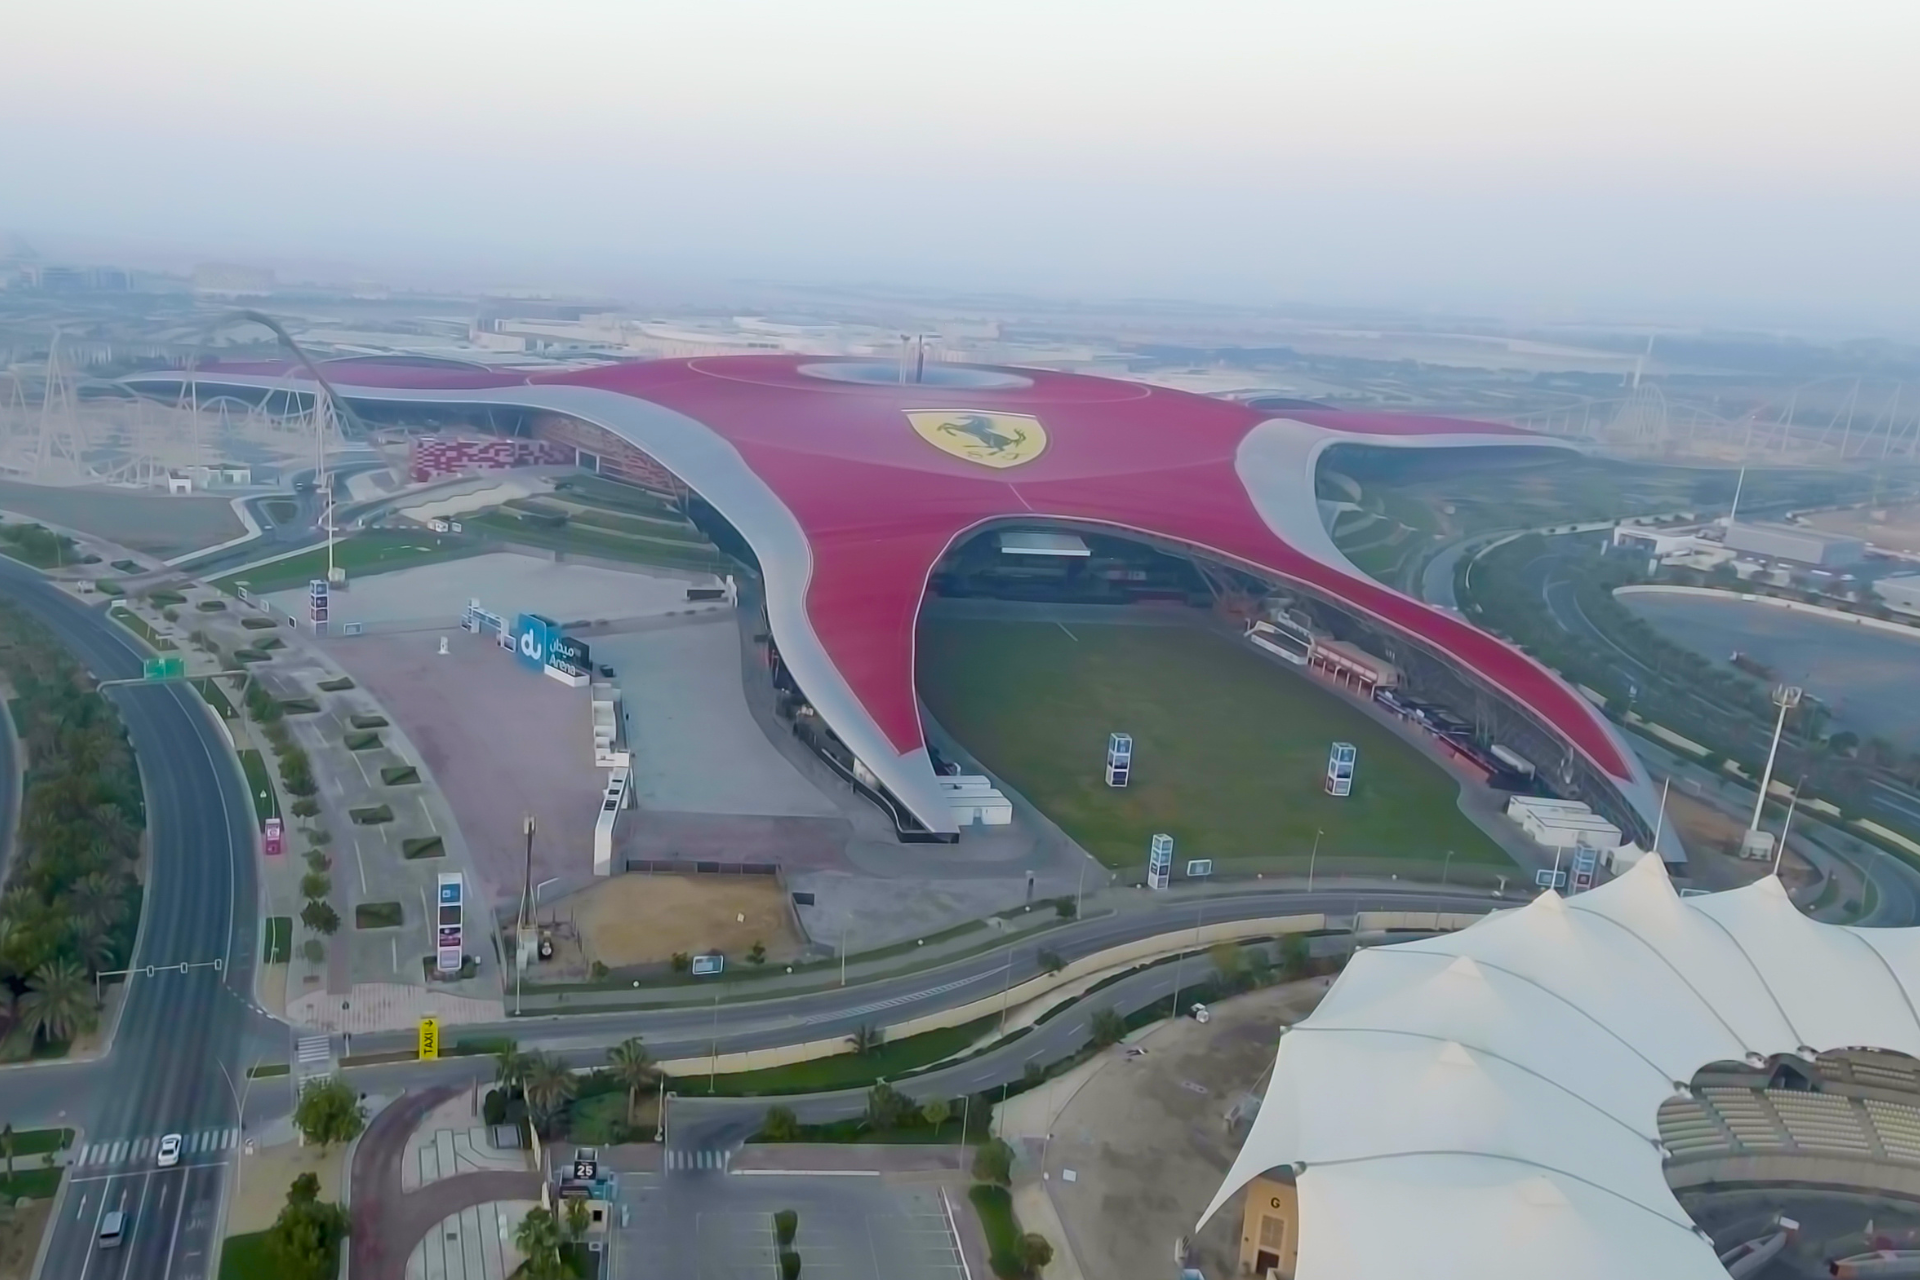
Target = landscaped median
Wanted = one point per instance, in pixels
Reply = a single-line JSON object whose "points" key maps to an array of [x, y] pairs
{"points": [[1144, 949]]}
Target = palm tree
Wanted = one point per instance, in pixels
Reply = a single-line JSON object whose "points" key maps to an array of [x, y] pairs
{"points": [[866, 1038], [548, 1084], [97, 902], [538, 1237], [633, 1067], [57, 1004], [93, 946], [510, 1066]]}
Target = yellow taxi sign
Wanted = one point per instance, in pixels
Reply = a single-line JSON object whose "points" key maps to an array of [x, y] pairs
{"points": [[429, 1038]]}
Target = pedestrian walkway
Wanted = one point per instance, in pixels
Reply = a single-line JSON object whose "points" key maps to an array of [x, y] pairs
{"points": [[111, 1153], [707, 1158], [389, 1006], [313, 1056], [473, 1244], [449, 1142]]}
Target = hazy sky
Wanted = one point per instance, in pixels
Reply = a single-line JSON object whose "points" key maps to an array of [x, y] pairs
{"points": [[1738, 157]]}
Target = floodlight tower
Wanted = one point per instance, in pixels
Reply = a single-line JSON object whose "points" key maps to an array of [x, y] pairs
{"points": [[1786, 697]]}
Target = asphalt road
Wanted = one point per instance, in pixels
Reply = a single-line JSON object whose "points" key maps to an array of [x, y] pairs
{"points": [[177, 1030]]}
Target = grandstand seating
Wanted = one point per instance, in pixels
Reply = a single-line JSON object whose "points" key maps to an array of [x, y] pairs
{"points": [[1859, 1112]]}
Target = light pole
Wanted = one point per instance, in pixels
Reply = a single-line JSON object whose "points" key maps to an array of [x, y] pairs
{"points": [[520, 927], [1313, 857], [1006, 987], [1180, 959], [844, 927], [1079, 887], [1446, 867], [713, 1067], [1784, 828], [1786, 697]]}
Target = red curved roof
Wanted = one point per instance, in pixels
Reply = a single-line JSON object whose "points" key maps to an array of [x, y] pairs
{"points": [[879, 504]]}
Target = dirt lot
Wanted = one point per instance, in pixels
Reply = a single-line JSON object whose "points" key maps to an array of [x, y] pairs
{"points": [[1148, 1138], [642, 919], [260, 1187], [1899, 531], [150, 522], [20, 1237], [1713, 841]]}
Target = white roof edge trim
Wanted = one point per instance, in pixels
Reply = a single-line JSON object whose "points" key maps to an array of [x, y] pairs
{"points": [[714, 469], [1277, 462], [1500, 1221]]}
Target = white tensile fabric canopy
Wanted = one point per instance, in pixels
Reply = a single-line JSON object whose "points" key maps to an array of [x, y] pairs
{"points": [[1484, 1105]]}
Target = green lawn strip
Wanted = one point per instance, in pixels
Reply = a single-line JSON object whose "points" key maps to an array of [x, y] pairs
{"points": [[842, 1070], [33, 1142], [37, 545], [140, 627], [215, 696], [267, 1069], [371, 815], [599, 543], [336, 685], [299, 706], [30, 1184], [281, 510], [266, 804], [362, 740], [857, 1130], [252, 655], [377, 915], [1002, 1229], [127, 566], [279, 948], [362, 555], [1229, 752], [258, 624], [248, 1257], [400, 775], [416, 847], [210, 606], [165, 599], [367, 720]]}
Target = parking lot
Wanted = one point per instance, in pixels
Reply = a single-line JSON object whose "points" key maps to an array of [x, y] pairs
{"points": [[720, 1227]]}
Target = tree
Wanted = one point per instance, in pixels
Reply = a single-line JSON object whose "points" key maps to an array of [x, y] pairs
{"points": [[1065, 908], [786, 1224], [306, 807], [781, 1125], [305, 1239], [328, 1112], [757, 953], [538, 1237], [549, 1086], [993, 1162], [578, 1216], [1294, 955], [1050, 962], [320, 917], [632, 1066], [937, 1112], [1226, 963], [314, 950], [510, 1066], [1844, 743], [887, 1107], [315, 884], [58, 1004], [7, 1144], [1108, 1027], [866, 1038], [682, 962], [1259, 966], [1035, 1252], [789, 1265]]}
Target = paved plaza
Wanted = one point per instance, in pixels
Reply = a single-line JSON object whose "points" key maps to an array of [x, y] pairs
{"points": [[473, 1244]]}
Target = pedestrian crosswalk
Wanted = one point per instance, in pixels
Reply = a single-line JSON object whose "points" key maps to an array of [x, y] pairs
{"points": [[700, 1158], [109, 1152], [315, 1055]]}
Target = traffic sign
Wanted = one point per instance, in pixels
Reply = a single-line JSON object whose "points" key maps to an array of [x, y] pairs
{"points": [[707, 966], [429, 1039], [164, 668]]}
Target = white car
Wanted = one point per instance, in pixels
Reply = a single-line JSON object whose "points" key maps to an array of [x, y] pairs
{"points": [[170, 1151]]}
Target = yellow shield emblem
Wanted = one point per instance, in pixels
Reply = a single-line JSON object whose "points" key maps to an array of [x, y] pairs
{"points": [[990, 439]]}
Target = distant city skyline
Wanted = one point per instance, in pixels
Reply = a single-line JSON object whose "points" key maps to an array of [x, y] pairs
{"points": [[1695, 159]]}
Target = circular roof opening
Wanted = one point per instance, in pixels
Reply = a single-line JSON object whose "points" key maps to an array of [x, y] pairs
{"points": [[877, 373]]}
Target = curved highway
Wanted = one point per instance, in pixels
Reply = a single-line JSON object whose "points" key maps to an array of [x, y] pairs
{"points": [[180, 1034]]}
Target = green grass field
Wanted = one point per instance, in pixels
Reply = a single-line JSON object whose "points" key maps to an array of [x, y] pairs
{"points": [[1229, 750], [361, 555]]}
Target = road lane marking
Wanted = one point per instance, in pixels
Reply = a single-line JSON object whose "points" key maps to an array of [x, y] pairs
{"points": [[173, 1244]]}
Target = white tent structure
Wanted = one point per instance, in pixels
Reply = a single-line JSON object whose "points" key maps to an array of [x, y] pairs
{"points": [[1482, 1106]]}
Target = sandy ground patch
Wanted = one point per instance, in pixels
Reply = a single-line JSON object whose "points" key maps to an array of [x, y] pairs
{"points": [[642, 919], [261, 1181], [20, 1231], [159, 524]]}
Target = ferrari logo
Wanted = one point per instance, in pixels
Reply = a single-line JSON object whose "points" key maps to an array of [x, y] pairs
{"points": [[990, 439]]}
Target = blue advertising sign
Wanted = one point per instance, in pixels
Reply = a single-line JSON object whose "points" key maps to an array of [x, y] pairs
{"points": [[534, 637], [450, 892]]}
